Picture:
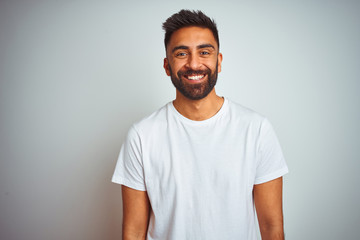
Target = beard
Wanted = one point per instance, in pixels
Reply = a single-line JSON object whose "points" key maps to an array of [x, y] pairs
{"points": [[194, 91]]}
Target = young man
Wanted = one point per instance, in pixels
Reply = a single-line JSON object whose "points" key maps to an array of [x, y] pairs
{"points": [[195, 168]]}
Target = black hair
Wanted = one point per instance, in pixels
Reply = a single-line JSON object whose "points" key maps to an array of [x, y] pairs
{"points": [[186, 18]]}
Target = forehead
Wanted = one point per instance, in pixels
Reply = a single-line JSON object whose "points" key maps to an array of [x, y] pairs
{"points": [[191, 36]]}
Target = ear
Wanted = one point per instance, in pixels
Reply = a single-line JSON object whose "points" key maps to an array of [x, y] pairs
{"points": [[166, 66], [220, 58]]}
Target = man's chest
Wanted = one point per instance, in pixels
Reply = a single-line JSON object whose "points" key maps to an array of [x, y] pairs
{"points": [[195, 158]]}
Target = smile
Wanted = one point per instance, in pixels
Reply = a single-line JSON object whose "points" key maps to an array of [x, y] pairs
{"points": [[194, 77]]}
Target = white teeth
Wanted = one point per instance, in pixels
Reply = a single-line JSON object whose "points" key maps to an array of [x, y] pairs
{"points": [[196, 77]]}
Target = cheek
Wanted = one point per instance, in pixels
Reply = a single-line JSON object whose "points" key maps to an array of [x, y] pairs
{"points": [[178, 67], [211, 63], [212, 67]]}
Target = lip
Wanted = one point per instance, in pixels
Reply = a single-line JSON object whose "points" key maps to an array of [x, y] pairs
{"points": [[195, 79]]}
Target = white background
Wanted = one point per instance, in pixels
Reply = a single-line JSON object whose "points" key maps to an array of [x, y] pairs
{"points": [[76, 74]]}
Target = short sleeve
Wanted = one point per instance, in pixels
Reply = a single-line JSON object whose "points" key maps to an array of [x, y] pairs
{"points": [[129, 169], [270, 163]]}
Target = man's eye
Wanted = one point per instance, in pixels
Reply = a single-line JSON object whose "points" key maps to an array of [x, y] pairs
{"points": [[204, 53], [181, 54]]}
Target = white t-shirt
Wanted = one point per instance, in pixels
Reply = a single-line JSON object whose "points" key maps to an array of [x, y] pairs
{"points": [[199, 175]]}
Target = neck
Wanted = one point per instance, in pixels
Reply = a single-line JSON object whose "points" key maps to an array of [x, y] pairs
{"points": [[198, 110]]}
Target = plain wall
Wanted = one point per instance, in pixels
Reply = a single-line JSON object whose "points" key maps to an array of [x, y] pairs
{"points": [[76, 74]]}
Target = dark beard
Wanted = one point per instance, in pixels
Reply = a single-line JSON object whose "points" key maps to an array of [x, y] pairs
{"points": [[194, 91]]}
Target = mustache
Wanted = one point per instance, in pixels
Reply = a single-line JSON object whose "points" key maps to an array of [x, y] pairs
{"points": [[194, 72]]}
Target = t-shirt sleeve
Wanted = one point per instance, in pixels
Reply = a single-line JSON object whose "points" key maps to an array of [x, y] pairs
{"points": [[129, 169], [271, 163]]}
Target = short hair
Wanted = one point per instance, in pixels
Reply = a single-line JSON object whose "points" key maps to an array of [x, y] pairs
{"points": [[186, 18]]}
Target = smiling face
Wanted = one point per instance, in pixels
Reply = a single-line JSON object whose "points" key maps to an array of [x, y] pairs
{"points": [[193, 61]]}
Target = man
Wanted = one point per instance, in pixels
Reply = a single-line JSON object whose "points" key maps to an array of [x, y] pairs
{"points": [[195, 168]]}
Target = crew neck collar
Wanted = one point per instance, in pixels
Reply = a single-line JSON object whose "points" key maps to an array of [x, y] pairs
{"points": [[206, 121]]}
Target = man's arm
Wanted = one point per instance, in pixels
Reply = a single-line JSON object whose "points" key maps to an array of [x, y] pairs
{"points": [[268, 203], [136, 212]]}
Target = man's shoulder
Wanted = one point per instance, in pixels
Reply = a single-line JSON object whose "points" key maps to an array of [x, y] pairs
{"points": [[237, 110], [153, 120]]}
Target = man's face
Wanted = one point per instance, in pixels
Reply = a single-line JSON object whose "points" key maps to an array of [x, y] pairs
{"points": [[193, 61]]}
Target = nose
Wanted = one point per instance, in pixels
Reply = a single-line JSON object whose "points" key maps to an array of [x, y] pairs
{"points": [[194, 62]]}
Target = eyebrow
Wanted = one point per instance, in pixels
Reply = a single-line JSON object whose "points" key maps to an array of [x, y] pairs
{"points": [[197, 47], [179, 47], [208, 45]]}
